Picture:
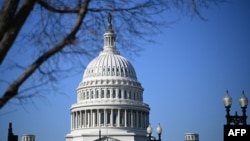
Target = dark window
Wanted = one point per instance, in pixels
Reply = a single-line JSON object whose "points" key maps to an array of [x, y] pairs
{"points": [[108, 118], [87, 95], [119, 94], [102, 118], [102, 94], [113, 95], [125, 94], [108, 93], [114, 118]]}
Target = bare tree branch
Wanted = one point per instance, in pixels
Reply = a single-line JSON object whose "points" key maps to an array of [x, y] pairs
{"points": [[72, 10], [12, 90], [196, 11], [57, 9], [7, 14], [17, 23]]}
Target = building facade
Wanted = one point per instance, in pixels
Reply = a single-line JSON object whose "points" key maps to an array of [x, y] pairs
{"points": [[191, 137], [28, 137], [109, 99]]}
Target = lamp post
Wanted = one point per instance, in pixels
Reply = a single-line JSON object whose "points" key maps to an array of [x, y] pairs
{"points": [[236, 119], [150, 130]]}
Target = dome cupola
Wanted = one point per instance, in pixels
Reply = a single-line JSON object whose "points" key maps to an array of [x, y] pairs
{"points": [[109, 63]]}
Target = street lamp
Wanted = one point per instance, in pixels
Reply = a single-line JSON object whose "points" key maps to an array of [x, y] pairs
{"points": [[236, 119], [150, 130]]}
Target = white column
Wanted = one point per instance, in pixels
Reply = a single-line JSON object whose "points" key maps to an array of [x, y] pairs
{"points": [[99, 118], [117, 93], [132, 118], [105, 117], [88, 119], [81, 119], [105, 96], [85, 119], [125, 117], [122, 94], [91, 117], [100, 92]]}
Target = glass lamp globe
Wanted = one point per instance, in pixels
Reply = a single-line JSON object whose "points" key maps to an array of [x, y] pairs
{"points": [[149, 129], [243, 101], [159, 129], [227, 100]]}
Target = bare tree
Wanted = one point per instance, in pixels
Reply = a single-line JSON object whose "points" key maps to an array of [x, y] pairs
{"points": [[54, 35]]}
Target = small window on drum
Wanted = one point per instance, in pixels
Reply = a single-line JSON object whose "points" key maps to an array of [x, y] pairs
{"points": [[108, 93], [119, 94], [102, 93], [113, 94], [125, 94], [87, 95]]}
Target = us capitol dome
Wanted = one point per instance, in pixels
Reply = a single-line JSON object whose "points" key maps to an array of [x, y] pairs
{"points": [[109, 99]]}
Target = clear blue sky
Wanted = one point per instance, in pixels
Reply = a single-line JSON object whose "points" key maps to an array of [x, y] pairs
{"points": [[185, 76]]}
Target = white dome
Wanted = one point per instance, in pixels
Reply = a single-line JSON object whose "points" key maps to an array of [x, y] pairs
{"points": [[109, 65]]}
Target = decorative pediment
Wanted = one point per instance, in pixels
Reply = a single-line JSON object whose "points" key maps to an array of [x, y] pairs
{"points": [[107, 138]]}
